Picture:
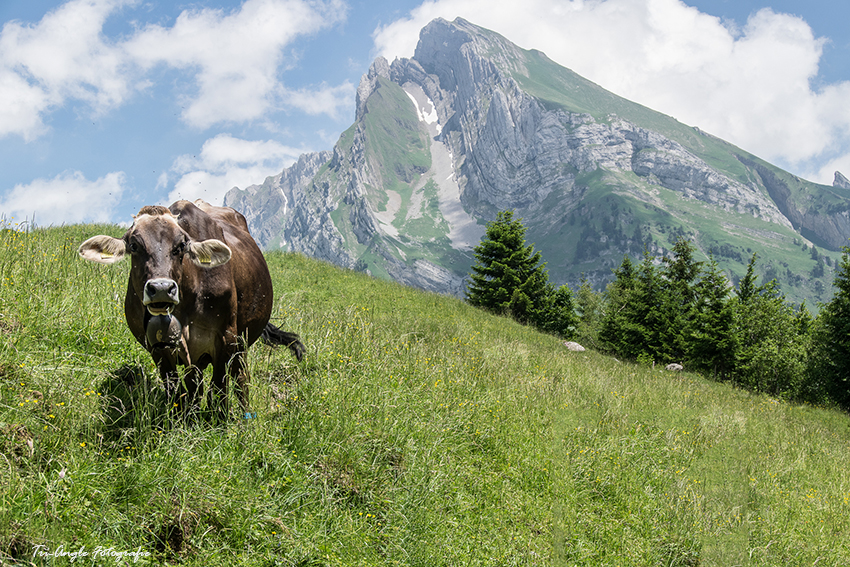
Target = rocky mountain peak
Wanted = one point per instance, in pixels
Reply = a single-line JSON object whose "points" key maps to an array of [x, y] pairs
{"points": [[473, 124], [445, 48], [379, 68], [841, 181]]}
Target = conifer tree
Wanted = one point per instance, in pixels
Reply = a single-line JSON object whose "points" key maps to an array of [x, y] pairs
{"points": [[747, 285], [589, 306], [770, 352], [559, 313], [831, 365], [646, 312], [507, 276], [682, 269], [712, 341], [680, 274], [624, 275], [617, 331]]}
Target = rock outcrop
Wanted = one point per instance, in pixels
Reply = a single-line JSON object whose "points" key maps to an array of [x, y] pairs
{"points": [[515, 148], [269, 205]]}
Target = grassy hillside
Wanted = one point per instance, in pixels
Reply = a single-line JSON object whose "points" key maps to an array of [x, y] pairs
{"points": [[418, 431]]}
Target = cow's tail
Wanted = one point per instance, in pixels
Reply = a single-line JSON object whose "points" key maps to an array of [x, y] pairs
{"points": [[277, 337]]}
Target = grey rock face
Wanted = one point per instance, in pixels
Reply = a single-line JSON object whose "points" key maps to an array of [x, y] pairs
{"points": [[268, 206], [516, 150]]}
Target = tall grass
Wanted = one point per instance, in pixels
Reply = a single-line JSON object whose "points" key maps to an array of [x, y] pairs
{"points": [[418, 431]]}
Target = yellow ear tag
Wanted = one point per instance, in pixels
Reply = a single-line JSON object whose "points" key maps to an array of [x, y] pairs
{"points": [[105, 255], [204, 259]]}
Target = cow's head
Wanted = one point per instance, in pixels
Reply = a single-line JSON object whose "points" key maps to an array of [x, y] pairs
{"points": [[157, 246]]}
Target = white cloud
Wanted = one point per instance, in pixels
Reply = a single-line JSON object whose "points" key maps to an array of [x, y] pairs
{"points": [[21, 106], [66, 199], [226, 162], [235, 56], [64, 56], [231, 61], [326, 100], [750, 86]]}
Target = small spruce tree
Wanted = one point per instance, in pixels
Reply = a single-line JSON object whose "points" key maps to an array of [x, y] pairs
{"points": [[747, 286], [770, 350], [712, 342], [559, 315], [680, 273], [831, 365], [682, 270], [647, 312], [617, 332], [589, 306], [508, 278]]}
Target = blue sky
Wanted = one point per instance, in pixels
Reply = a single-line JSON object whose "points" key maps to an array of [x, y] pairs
{"points": [[108, 105]]}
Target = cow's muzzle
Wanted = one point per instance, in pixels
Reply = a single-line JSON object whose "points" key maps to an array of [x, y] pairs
{"points": [[161, 296]]}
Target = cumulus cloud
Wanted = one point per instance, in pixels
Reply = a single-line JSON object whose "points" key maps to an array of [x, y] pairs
{"points": [[232, 61], [64, 56], [65, 199], [751, 85], [332, 101], [226, 162], [235, 56]]}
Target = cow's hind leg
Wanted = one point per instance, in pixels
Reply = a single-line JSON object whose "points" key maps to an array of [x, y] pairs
{"points": [[239, 370]]}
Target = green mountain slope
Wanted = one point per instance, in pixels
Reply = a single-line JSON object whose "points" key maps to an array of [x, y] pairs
{"points": [[561, 87]]}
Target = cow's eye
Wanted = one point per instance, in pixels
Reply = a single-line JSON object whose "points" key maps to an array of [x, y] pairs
{"points": [[179, 249], [134, 247]]}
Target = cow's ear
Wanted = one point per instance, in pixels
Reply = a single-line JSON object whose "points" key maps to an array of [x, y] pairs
{"points": [[209, 253], [102, 249]]}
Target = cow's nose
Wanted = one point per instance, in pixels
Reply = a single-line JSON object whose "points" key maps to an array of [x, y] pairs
{"points": [[161, 290]]}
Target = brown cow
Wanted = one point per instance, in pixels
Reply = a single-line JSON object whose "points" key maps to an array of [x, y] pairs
{"points": [[199, 293]]}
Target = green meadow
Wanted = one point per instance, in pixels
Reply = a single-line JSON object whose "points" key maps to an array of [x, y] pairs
{"points": [[417, 431]]}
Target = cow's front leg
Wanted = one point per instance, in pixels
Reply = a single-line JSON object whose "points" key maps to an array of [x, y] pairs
{"points": [[219, 395], [191, 390], [183, 392], [166, 362]]}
